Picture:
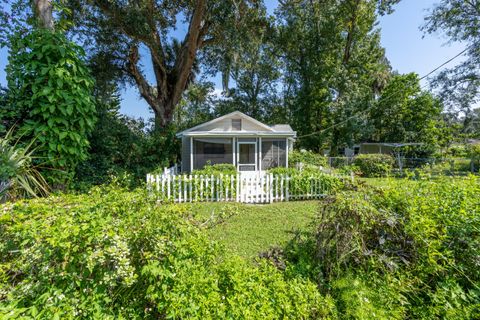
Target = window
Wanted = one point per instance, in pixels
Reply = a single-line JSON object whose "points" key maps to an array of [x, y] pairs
{"points": [[214, 149], [236, 124], [211, 151], [273, 153]]}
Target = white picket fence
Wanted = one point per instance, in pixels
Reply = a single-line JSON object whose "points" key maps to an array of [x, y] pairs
{"points": [[248, 189]]}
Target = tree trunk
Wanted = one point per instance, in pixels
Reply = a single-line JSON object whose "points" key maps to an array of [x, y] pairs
{"points": [[164, 96], [43, 13], [165, 117], [351, 30]]}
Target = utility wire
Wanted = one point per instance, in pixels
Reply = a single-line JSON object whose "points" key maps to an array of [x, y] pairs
{"points": [[371, 106]]}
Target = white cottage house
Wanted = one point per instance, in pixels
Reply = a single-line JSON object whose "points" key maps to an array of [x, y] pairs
{"points": [[238, 139]]}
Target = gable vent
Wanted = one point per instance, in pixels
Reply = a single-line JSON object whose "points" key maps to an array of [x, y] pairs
{"points": [[236, 124]]}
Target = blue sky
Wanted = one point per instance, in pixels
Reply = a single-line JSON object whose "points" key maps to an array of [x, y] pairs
{"points": [[407, 48]]}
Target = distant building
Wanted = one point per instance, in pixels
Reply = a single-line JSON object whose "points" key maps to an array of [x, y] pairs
{"points": [[377, 147]]}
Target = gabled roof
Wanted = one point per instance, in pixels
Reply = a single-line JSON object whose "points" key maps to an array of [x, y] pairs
{"points": [[282, 128]]}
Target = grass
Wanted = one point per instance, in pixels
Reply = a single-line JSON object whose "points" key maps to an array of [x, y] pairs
{"points": [[247, 229], [387, 181], [255, 228]]}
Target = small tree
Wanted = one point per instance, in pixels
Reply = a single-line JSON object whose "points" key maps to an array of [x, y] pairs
{"points": [[49, 83]]}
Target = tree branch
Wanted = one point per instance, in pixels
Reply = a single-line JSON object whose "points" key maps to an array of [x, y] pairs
{"points": [[146, 91], [187, 55], [156, 50]]}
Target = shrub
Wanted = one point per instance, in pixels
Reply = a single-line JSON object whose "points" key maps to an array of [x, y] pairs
{"points": [[308, 158], [305, 181], [115, 254], [474, 155], [374, 165], [458, 150], [349, 169], [50, 85], [217, 169], [18, 176], [414, 243]]}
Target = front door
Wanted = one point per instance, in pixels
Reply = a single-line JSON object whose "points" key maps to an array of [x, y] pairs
{"points": [[246, 156]]}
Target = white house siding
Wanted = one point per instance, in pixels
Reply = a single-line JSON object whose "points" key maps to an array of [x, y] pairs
{"points": [[225, 125]]}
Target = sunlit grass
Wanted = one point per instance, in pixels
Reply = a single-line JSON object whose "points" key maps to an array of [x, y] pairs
{"points": [[255, 228]]}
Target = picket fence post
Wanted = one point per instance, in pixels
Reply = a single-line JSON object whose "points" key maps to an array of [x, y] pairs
{"points": [[287, 194], [212, 183], [168, 187]]}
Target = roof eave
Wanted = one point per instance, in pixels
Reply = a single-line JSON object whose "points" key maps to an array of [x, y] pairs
{"points": [[237, 134]]}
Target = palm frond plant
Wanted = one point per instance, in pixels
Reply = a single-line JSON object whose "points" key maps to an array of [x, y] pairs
{"points": [[18, 175]]}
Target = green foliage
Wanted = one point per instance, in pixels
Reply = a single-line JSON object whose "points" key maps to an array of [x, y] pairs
{"points": [[254, 65], [405, 113], [374, 165], [217, 169], [18, 176], [308, 158], [7, 113], [474, 155], [348, 169], [360, 297], [324, 44], [473, 151], [49, 82], [458, 150], [414, 244], [306, 181], [458, 21], [196, 105], [115, 254], [121, 145]]}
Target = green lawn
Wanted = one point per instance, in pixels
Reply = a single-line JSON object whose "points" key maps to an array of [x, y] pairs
{"points": [[255, 228], [248, 229]]}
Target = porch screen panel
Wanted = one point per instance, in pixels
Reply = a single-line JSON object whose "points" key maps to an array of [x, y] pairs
{"points": [[273, 153], [211, 151]]}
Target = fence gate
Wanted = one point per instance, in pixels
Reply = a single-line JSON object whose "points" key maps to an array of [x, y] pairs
{"points": [[257, 188]]}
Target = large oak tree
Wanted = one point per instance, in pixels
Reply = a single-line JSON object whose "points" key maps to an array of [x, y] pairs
{"points": [[124, 31]]}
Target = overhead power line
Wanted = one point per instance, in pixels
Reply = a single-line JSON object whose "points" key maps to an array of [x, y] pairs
{"points": [[368, 109]]}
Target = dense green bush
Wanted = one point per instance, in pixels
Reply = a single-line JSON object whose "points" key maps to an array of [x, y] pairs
{"points": [[115, 254], [308, 158], [374, 165], [458, 150], [217, 169], [474, 155], [123, 146], [50, 88], [307, 181], [409, 250]]}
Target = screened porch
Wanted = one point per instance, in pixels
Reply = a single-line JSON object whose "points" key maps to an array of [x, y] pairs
{"points": [[247, 154]]}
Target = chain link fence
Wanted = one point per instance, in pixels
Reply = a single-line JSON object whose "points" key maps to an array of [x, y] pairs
{"points": [[449, 166]]}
